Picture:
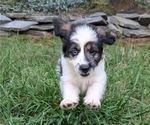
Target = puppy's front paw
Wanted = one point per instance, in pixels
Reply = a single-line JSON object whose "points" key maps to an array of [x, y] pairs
{"points": [[92, 102], [68, 103]]}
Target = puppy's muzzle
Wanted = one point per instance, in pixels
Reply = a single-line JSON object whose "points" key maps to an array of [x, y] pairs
{"points": [[84, 69]]}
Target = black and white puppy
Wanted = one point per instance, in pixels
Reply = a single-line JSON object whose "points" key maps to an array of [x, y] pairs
{"points": [[81, 66]]}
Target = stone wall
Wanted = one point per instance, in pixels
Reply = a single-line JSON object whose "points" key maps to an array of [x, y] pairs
{"points": [[123, 25]]}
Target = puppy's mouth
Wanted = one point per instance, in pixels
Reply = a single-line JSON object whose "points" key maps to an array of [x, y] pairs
{"points": [[84, 74]]}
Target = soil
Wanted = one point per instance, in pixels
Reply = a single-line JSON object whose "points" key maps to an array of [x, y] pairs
{"points": [[136, 41], [109, 8]]}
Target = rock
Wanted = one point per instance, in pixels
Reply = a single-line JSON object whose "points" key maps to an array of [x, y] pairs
{"points": [[140, 33], [42, 27], [97, 14], [125, 22], [17, 15], [72, 18], [4, 34], [149, 26], [4, 19], [36, 33], [132, 16], [41, 19], [144, 19], [94, 20], [115, 29], [17, 25], [109, 20]]}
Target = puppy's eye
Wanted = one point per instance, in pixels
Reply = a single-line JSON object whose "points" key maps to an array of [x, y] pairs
{"points": [[92, 51], [74, 52]]}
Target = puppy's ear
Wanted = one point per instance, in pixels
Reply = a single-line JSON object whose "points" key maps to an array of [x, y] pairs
{"points": [[61, 27], [106, 35]]}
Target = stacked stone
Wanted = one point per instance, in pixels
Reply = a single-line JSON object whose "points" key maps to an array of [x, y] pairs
{"points": [[123, 25]]}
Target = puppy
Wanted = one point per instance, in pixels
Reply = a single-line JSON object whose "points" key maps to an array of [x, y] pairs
{"points": [[81, 66]]}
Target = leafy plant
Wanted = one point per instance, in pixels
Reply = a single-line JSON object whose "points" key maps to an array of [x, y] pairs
{"points": [[41, 6], [144, 2]]}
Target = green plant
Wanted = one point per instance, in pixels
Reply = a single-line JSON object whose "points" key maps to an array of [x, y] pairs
{"points": [[46, 6], [29, 90], [144, 2]]}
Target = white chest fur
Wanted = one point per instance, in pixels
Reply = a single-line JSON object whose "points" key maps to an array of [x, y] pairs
{"points": [[72, 83]]}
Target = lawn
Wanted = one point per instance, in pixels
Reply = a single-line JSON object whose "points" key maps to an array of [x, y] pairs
{"points": [[30, 95]]}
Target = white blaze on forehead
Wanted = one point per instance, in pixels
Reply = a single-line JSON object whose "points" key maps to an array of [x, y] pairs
{"points": [[84, 34]]}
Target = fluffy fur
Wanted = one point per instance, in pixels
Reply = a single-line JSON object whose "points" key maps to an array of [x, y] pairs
{"points": [[81, 66]]}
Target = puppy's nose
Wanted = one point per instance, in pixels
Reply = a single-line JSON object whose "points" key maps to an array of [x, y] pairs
{"points": [[84, 68]]}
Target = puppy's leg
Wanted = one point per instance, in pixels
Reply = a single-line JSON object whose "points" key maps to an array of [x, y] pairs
{"points": [[94, 94], [70, 96]]}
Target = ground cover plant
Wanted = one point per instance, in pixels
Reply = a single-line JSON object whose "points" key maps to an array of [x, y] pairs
{"points": [[82, 6], [30, 95], [46, 6]]}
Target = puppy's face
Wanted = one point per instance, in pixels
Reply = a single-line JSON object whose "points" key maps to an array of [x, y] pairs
{"points": [[83, 49], [82, 45]]}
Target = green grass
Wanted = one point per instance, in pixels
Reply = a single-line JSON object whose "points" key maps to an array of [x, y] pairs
{"points": [[30, 95]]}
